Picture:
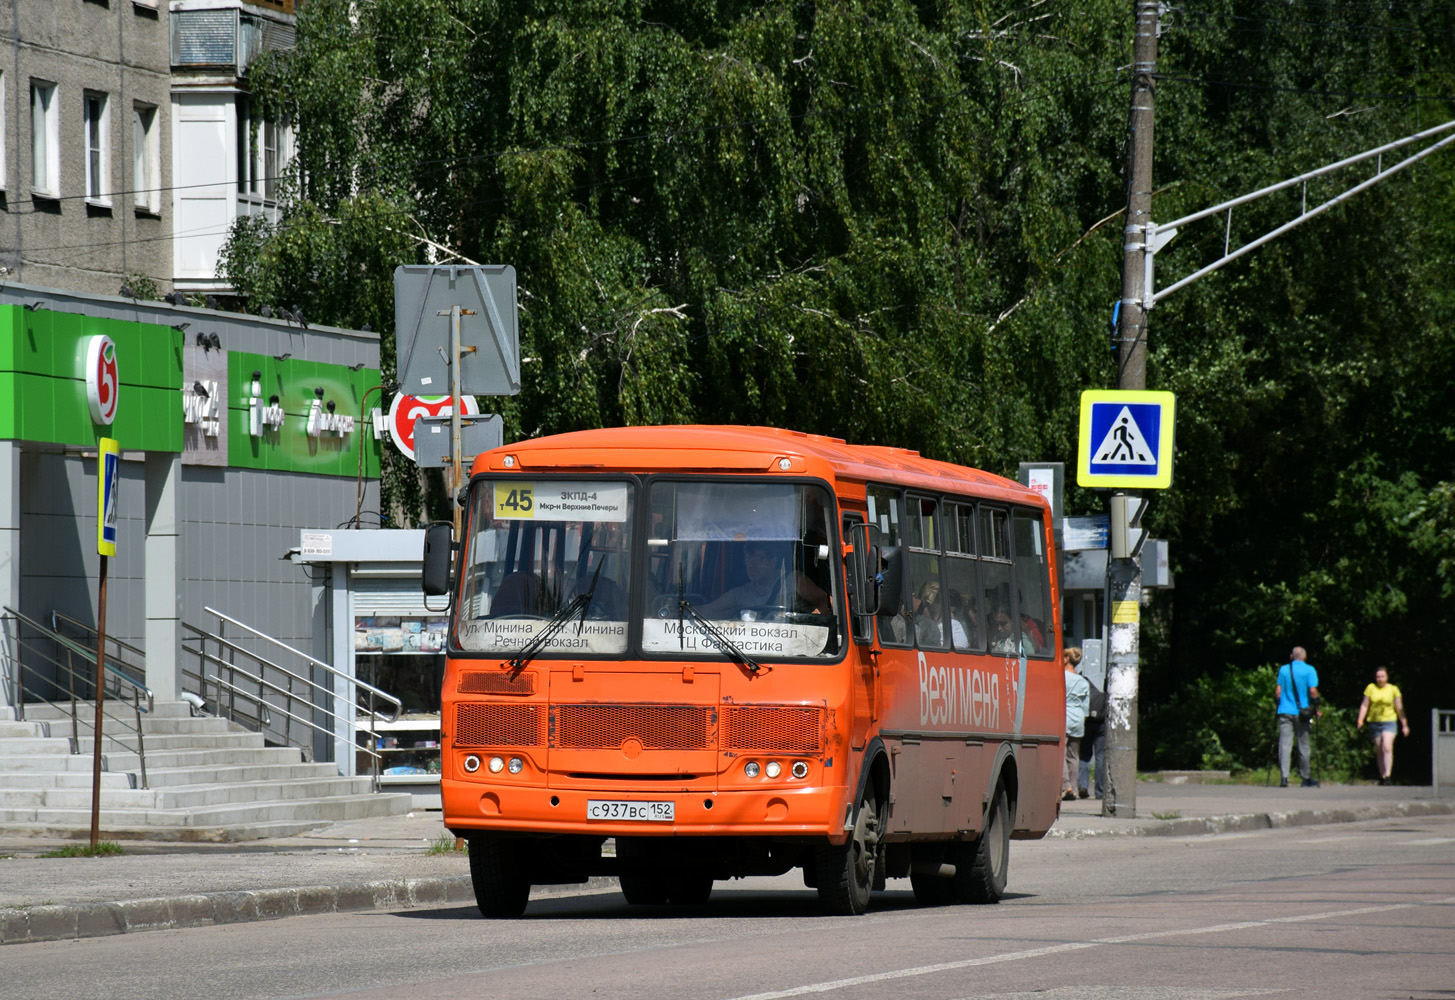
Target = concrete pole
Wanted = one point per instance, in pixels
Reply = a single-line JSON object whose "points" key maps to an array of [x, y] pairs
{"points": [[163, 583], [1126, 574], [9, 554]]}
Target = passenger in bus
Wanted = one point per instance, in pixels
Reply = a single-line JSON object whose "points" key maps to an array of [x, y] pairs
{"points": [[966, 615], [768, 586], [929, 631], [1003, 635]]}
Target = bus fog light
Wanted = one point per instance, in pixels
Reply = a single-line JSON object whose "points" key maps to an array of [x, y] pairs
{"points": [[472, 764], [751, 770], [496, 764], [800, 769], [773, 769], [516, 765]]}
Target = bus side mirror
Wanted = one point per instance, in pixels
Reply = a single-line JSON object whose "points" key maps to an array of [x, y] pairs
{"points": [[890, 580], [438, 547]]}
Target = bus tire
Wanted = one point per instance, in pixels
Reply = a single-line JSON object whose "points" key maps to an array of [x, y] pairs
{"points": [[497, 872], [983, 864], [689, 890], [644, 890], [845, 872]]}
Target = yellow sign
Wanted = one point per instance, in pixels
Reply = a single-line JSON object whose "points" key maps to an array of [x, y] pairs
{"points": [[1126, 439], [108, 488], [514, 500], [1124, 613]]}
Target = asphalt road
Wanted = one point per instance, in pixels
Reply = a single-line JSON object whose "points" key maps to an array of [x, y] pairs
{"points": [[1355, 910]]}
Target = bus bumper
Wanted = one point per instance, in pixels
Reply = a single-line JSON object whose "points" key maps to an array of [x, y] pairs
{"points": [[814, 812]]}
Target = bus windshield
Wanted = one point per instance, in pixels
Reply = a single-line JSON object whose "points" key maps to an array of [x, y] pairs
{"points": [[753, 559], [535, 548]]}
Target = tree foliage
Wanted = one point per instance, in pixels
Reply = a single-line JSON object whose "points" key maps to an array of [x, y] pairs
{"points": [[898, 221]]}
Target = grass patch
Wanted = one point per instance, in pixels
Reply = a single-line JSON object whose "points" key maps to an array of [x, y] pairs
{"points": [[1174, 814], [445, 843], [85, 850]]}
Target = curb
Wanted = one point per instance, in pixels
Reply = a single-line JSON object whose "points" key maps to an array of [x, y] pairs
{"points": [[1243, 822], [84, 920], [66, 922]]}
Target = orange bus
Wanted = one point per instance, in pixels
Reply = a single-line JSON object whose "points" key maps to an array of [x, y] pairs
{"points": [[684, 654]]}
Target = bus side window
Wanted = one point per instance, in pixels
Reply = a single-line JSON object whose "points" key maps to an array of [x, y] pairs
{"points": [[884, 513], [996, 586], [926, 611], [962, 580], [1032, 581]]}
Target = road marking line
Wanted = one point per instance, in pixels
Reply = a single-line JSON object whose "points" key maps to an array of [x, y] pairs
{"points": [[1428, 840], [1070, 946]]}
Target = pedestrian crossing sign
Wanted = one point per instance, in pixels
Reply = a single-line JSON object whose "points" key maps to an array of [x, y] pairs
{"points": [[1126, 439]]}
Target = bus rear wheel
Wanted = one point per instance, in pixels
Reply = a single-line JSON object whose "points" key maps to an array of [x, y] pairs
{"points": [[497, 872], [845, 872], [983, 865]]}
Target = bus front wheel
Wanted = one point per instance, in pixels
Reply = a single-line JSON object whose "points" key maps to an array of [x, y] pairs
{"points": [[497, 874], [845, 872]]}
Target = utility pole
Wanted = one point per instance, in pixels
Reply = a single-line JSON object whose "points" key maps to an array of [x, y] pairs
{"points": [[1125, 575]]}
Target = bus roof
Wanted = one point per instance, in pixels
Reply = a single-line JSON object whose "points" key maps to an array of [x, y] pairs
{"points": [[742, 449]]}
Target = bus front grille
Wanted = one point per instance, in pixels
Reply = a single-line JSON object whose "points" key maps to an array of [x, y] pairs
{"points": [[655, 727], [497, 682], [489, 725], [764, 729]]}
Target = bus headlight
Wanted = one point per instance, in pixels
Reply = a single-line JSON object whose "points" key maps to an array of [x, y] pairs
{"points": [[516, 765], [472, 764], [800, 769], [773, 769], [496, 764], [751, 769]]}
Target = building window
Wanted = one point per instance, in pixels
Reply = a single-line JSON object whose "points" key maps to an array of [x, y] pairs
{"points": [[45, 140], [96, 113], [259, 152], [146, 159]]}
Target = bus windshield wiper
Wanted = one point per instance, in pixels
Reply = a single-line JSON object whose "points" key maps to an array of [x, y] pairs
{"points": [[729, 648], [580, 603]]}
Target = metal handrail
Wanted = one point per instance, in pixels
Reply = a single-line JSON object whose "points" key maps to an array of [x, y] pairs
{"points": [[137, 662], [263, 684], [126, 687], [272, 688], [326, 667]]}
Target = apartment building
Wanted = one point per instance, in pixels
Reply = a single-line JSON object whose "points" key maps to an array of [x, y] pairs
{"points": [[86, 161], [128, 141]]}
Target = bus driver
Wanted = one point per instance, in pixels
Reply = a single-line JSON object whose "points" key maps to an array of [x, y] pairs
{"points": [[764, 586]]}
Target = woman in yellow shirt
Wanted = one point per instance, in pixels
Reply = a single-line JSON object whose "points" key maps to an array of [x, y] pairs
{"points": [[1382, 705]]}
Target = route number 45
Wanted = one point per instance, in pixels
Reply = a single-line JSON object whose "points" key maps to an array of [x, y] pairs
{"points": [[514, 501]]}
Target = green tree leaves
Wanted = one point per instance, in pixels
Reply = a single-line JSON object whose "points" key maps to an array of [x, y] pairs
{"points": [[898, 222]]}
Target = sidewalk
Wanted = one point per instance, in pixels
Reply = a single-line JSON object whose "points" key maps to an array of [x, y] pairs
{"points": [[386, 863]]}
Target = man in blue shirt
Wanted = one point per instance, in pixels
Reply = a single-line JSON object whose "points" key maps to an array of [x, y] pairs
{"points": [[1297, 688]]}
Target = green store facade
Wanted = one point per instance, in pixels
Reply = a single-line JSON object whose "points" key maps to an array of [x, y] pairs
{"points": [[236, 433]]}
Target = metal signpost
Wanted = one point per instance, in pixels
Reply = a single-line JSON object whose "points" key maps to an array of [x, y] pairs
{"points": [[108, 485], [477, 354], [1126, 442]]}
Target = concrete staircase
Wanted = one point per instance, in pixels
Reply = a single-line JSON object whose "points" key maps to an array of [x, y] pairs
{"points": [[209, 780]]}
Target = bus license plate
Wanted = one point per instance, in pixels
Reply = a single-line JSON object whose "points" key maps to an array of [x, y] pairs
{"points": [[650, 812]]}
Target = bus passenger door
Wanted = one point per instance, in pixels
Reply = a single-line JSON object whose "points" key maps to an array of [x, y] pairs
{"points": [[861, 659]]}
